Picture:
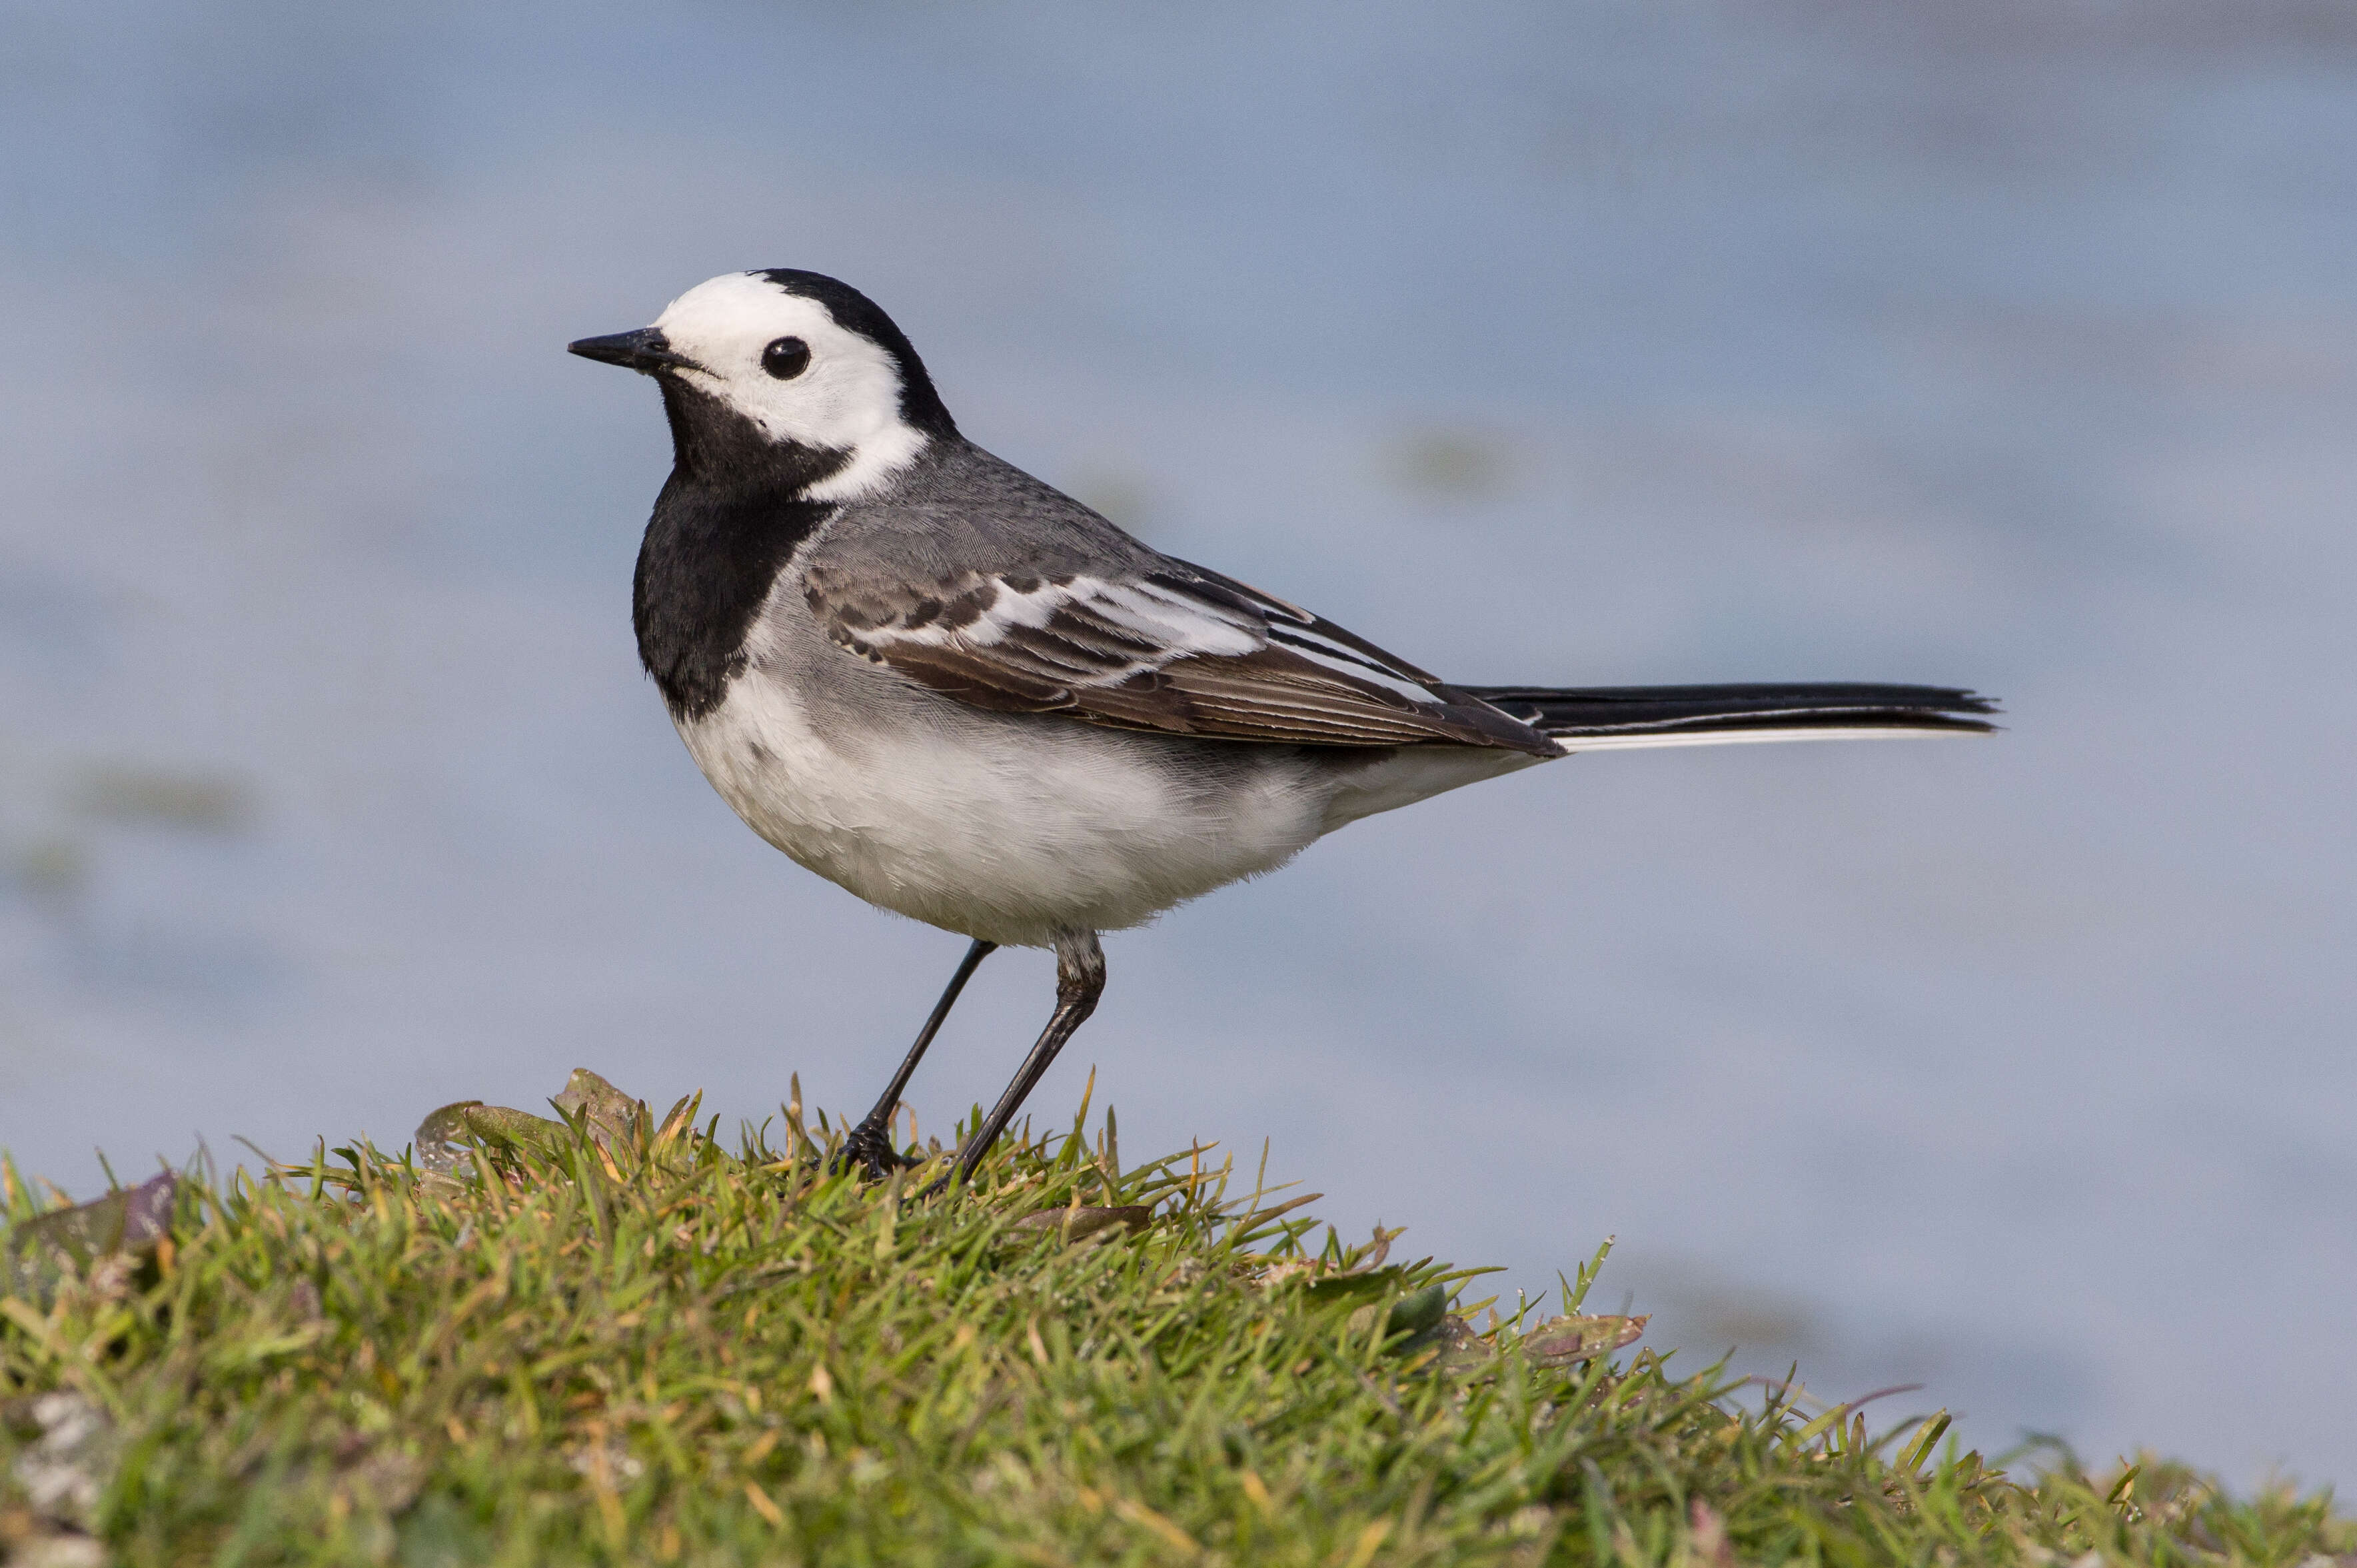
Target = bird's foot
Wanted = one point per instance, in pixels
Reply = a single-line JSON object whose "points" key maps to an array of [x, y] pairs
{"points": [[870, 1150]]}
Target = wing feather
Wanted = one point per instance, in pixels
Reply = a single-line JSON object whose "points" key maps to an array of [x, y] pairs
{"points": [[1180, 650]]}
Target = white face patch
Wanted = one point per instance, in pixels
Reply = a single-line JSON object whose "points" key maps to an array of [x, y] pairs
{"points": [[848, 400]]}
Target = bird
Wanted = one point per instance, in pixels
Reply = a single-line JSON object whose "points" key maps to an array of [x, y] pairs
{"points": [[965, 697]]}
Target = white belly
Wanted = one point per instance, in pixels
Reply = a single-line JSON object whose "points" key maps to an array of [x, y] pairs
{"points": [[1003, 829]]}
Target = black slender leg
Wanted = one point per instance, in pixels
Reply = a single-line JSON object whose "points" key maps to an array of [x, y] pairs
{"points": [[1080, 981], [869, 1146]]}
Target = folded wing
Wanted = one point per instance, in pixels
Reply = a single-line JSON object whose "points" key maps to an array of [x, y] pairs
{"points": [[1176, 649]]}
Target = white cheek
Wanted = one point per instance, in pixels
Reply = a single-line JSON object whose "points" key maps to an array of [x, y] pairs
{"points": [[850, 405], [848, 401], [838, 399], [823, 407]]}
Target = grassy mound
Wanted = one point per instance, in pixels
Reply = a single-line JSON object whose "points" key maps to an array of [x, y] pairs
{"points": [[611, 1340]]}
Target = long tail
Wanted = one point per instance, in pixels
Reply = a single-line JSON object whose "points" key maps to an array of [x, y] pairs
{"points": [[1596, 717]]}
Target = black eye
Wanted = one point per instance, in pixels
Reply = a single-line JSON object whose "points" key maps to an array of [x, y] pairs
{"points": [[786, 358]]}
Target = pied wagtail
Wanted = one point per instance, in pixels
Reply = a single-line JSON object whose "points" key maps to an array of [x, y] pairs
{"points": [[962, 695]]}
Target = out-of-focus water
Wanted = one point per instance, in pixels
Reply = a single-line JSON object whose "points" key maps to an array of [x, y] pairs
{"points": [[2007, 345]]}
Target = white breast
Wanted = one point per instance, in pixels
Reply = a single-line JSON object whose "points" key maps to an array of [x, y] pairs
{"points": [[1002, 828]]}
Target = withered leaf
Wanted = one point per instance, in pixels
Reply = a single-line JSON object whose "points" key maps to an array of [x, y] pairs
{"points": [[128, 1222], [613, 1120], [1351, 1278], [442, 1139], [612, 1116], [1564, 1340], [1077, 1224]]}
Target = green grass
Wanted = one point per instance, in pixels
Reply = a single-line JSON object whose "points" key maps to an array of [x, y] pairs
{"points": [[639, 1348]]}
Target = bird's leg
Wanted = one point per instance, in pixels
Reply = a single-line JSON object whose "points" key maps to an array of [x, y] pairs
{"points": [[1080, 981], [869, 1146]]}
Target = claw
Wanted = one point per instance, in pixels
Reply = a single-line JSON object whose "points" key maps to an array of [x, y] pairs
{"points": [[870, 1148]]}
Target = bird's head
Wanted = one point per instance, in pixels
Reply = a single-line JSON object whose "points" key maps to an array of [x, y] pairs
{"points": [[788, 368]]}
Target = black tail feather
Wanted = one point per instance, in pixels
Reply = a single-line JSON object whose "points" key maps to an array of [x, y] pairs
{"points": [[1631, 713]]}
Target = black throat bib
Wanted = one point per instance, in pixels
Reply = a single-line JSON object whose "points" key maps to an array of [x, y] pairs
{"points": [[727, 522]]}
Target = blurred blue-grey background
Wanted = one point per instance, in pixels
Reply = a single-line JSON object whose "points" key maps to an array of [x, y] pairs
{"points": [[2009, 343]]}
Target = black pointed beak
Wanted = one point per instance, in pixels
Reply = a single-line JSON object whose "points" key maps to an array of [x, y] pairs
{"points": [[647, 352]]}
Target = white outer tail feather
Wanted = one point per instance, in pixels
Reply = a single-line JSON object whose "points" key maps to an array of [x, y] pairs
{"points": [[1641, 740]]}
